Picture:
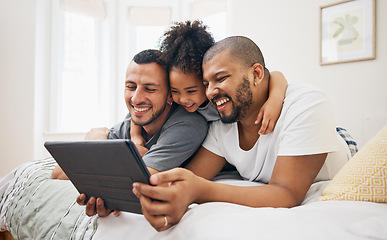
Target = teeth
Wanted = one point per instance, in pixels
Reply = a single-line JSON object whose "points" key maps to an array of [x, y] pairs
{"points": [[188, 106], [140, 109], [222, 101]]}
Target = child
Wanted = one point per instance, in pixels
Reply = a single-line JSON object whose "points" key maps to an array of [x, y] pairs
{"points": [[183, 49]]}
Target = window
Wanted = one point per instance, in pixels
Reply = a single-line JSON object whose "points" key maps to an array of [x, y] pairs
{"points": [[143, 24], [80, 91], [92, 45]]}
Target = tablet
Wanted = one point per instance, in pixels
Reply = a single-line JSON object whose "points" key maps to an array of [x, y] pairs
{"points": [[103, 168]]}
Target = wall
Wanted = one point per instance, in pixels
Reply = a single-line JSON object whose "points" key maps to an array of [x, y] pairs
{"points": [[288, 34], [17, 53]]}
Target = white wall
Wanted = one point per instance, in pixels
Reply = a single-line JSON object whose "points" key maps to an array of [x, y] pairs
{"points": [[288, 34], [17, 53]]}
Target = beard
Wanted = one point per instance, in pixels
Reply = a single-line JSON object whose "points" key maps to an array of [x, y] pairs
{"points": [[244, 100], [155, 115]]}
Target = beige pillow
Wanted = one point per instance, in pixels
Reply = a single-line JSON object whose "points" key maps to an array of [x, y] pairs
{"points": [[364, 177]]}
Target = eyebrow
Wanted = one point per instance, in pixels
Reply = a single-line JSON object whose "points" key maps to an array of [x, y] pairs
{"points": [[220, 72]]}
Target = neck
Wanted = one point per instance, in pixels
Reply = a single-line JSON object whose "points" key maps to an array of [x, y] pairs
{"points": [[152, 128]]}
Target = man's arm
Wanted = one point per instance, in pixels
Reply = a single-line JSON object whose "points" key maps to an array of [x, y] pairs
{"points": [[206, 164], [291, 179]]}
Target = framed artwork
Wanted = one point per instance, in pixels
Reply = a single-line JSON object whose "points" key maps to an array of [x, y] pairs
{"points": [[347, 31]]}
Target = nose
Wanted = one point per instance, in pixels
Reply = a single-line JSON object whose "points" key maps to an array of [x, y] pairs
{"points": [[182, 99], [138, 96], [211, 90]]}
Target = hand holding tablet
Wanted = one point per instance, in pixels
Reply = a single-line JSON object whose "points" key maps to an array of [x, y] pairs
{"points": [[103, 169]]}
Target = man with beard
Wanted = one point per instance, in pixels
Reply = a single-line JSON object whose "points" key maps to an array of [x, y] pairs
{"points": [[304, 146], [172, 134]]}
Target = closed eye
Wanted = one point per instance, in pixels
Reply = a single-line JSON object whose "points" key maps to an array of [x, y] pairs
{"points": [[221, 79], [151, 90]]}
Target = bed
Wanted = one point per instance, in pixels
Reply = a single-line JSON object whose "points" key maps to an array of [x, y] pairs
{"points": [[351, 206]]}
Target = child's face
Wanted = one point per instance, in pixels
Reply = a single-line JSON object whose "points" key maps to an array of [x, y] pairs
{"points": [[187, 89]]}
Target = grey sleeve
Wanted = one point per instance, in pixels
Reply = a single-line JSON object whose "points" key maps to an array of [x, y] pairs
{"points": [[177, 143], [120, 130]]}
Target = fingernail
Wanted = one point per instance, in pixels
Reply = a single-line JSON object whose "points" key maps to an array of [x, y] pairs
{"points": [[135, 191], [154, 179], [92, 200]]}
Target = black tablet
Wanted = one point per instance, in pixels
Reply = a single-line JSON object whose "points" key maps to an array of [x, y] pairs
{"points": [[103, 168]]}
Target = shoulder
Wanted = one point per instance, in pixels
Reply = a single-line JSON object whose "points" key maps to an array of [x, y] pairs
{"points": [[121, 129], [302, 97], [298, 91], [218, 128], [180, 115], [209, 112], [181, 121]]}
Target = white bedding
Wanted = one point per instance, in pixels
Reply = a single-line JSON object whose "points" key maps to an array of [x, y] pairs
{"points": [[312, 220], [32, 206]]}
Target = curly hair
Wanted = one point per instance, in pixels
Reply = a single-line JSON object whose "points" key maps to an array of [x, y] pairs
{"points": [[184, 45]]}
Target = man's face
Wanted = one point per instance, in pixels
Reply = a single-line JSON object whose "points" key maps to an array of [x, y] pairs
{"points": [[228, 87], [146, 92]]}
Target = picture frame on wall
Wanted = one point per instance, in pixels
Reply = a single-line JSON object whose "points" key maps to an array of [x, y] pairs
{"points": [[347, 31]]}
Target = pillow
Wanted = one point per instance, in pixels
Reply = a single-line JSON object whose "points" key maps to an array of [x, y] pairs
{"points": [[364, 177]]}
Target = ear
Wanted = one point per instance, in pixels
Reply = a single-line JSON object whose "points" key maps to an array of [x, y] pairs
{"points": [[259, 73], [169, 98]]}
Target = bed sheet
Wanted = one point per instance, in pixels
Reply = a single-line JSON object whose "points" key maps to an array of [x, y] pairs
{"points": [[312, 220], [33, 206]]}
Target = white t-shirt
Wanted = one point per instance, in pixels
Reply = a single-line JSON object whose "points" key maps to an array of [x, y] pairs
{"points": [[305, 127]]}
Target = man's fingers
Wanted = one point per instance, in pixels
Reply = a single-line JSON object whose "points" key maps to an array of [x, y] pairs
{"points": [[101, 210], [159, 220], [90, 207], [153, 207], [154, 192], [116, 213], [81, 199], [172, 175]]}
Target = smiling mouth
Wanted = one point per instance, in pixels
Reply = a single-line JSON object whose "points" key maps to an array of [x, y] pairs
{"points": [[138, 109], [188, 106], [222, 101]]}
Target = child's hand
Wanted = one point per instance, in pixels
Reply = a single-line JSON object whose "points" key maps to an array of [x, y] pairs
{"points": [[141, 150], [138, 140], [268, 115]]}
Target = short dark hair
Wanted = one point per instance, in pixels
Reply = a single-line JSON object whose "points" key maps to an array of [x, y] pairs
{"points": [[151, 56], [241, 49], [148, 56], [184, 45]]}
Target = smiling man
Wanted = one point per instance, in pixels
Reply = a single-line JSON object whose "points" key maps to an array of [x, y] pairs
{"points": [[171, 133], [304, 146]]}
